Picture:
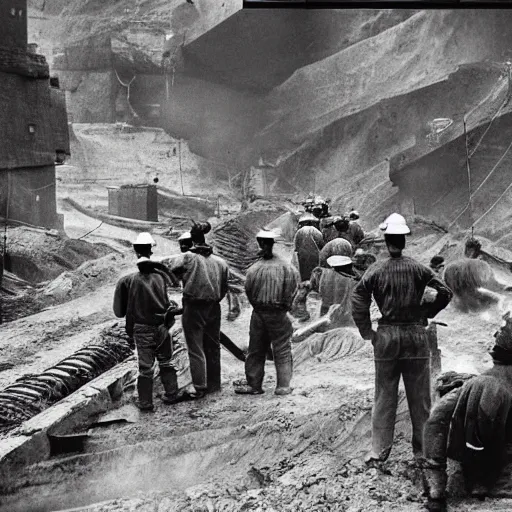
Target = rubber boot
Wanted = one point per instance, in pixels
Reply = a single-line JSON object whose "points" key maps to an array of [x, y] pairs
{"points": [[170, 383], [213, 377], [435, 480], [284, 371], [245, 389], [145, 392]]}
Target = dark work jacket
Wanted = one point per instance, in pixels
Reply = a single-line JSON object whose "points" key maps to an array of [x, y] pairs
{"points": [[141, 298]]}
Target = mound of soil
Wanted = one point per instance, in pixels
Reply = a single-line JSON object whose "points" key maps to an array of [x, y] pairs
{"points": [[37, 255], [235, 239]]}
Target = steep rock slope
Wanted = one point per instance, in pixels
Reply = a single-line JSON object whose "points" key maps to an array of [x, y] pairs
{"points": [[331, 101]]}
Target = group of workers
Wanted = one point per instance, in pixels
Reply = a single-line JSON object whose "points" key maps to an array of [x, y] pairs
{"points": [[331, 264]]}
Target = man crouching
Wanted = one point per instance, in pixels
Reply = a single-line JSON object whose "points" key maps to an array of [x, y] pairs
{"points": [[141, 297], [472, 425]]}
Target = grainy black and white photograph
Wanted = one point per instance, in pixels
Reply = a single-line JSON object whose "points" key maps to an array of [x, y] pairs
{"points": [[254, 259]]}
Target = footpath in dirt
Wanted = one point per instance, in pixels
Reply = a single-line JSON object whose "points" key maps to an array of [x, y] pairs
{"points": [[229, 452]]}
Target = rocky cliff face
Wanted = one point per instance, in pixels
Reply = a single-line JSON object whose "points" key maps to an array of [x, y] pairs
{"points": [[331, 101]]}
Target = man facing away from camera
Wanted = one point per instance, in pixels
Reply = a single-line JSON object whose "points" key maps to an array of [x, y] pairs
{"points": [[270, 285], [205, 284], [142, 298], [400, 344]]}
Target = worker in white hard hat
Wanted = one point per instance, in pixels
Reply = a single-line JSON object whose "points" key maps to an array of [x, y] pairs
{"points": [[185, 241], [335, 286], [335, 247], [308, 241], [353, 215], [270, 284], [142, 298], [400, 342]]}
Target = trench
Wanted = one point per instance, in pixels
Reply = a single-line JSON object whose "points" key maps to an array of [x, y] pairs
{"points": [[258, 446], [232, 440]]}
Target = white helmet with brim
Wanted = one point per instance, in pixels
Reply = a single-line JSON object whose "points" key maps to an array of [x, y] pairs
{"points": [[185, 236], [339, 261], [395, 225], [266, 233], [144, 239]]}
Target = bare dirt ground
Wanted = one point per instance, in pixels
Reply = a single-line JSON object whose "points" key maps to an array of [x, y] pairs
{"points": [[302, 452], [230, 453]]}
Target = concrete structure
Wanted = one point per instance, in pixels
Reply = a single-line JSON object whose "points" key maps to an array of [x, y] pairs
{"points": [[86, 73], [134, 202], [33, 126]]}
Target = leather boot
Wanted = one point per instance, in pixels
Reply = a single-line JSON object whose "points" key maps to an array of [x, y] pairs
{"points": [[170, 383], [145, 392], [213, 369], [284, 371]]}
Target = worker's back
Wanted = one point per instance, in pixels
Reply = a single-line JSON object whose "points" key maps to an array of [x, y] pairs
{"points": [[141, 297], [205, 278], [397, 285]]}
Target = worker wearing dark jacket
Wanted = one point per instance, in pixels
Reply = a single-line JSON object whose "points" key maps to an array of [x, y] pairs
{"points": [[400, 343], [205, 284], [270, 285], [472, 424], [349, 230], [141, 297]]}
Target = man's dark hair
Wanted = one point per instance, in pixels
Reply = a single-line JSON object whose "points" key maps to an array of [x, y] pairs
{"points": [[436, 261], [198, 230], [342, 224], [143, 250], [397, 241], [473, 244]]}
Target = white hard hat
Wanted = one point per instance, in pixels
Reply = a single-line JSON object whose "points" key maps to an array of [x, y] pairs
{"points": [[339, 261], [264, 233], [395, 225], [144, 239], [185, 236]]}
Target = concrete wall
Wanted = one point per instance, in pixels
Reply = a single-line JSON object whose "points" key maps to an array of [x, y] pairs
{"points": [[31, 194], [59, 120], [13, 23], [89, 95], [92, 54], [23, 103]]}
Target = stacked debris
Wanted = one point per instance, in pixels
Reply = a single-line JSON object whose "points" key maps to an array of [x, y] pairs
{"points": [[235, 239], [31, 394]]}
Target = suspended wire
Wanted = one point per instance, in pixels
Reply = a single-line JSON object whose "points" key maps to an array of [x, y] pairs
{"points": [[470, 154], [494, 204], [127, 85], [7, 212]]}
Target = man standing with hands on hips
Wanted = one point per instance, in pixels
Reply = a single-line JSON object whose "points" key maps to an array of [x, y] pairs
{"points": [[400, 342]]}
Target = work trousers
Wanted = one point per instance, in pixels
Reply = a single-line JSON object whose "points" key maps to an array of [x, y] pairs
{"points": [[152, 342], [268, 329], [400, 350], [201, 327]]}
